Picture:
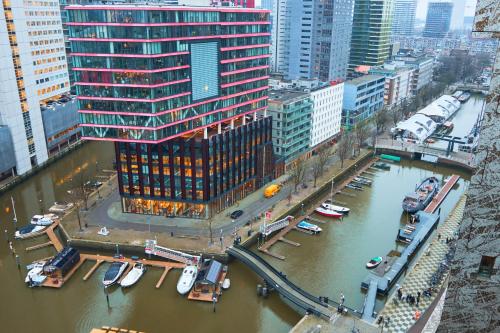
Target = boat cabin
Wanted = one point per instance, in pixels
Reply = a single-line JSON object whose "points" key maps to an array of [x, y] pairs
{"points": [[209, 277], [62, 263]]}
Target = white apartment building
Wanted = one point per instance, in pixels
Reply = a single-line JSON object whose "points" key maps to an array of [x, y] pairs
{"points": [[327, 99], [398, 82], [33, 69]]}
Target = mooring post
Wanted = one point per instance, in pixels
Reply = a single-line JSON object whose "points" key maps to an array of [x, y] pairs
{"points": [[6, 235], [107, 296], [18, 262]]}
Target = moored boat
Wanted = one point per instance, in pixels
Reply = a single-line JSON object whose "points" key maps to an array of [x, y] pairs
{"points": [[44, 220], [187, 279], [226, 284], [354, 186], [61, 207], [114, 272], [321, 210], [340, 209], [28, 231], [381, 165], [304, 225], [447, 127], [374, 262], [35, 270], [363, 181], [134, 275], [418, 200], [464, 97]]}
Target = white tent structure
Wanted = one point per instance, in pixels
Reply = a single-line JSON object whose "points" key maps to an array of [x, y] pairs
{"points": [[415, 129], [441, 109]]}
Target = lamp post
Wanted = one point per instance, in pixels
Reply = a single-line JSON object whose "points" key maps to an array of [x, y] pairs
{"points": [[14, 210]]}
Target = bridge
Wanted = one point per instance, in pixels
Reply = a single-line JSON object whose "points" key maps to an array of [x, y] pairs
{"points": [[473, 87], [294, 296], [153, 248]]}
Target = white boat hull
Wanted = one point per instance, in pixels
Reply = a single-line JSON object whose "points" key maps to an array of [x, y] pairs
{"points": [[187, 279], [110, 282], [328, 212], [339, 209], [37, 230], [132, 277]]}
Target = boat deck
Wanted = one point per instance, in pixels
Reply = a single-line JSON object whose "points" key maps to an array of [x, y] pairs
{"points": [[208, 297]]}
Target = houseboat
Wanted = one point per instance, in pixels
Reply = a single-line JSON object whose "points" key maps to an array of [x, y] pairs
{"points": [[422, 196]]}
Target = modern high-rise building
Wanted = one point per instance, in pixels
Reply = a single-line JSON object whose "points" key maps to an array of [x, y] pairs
{"points": [[403, 21], [371, 33], [458, 14], [33, 72], [311, 38], [177, 89], [437, 23]]}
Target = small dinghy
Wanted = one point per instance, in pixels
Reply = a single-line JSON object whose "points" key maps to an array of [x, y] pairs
{"points": [[187, 279], [309, 227], [114, 272], [339, 209], [34, 271], [134, 275], [28, 231], [226, 284], [363, 181], [382, 166], [374, 262]]}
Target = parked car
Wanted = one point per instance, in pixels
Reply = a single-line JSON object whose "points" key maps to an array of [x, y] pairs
{"points": [[236, 214]]}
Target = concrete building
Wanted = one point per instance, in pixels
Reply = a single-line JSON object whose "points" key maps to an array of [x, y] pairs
{"points": [[398, 82], [291, 112], [457, 16], [311, 38], [33, 72], [363, 97], [423, 67], [437, 22], [180, 102], [403, 21], [371, 33]]}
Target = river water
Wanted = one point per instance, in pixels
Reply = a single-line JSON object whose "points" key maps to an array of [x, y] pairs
{"points": [[327, 264]]}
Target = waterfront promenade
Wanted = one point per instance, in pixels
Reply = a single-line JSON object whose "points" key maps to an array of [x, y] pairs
{"points": [[402, 314]]}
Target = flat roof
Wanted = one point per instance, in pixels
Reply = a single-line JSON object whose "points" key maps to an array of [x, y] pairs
{"points": [[364, 79], [286, 95]]}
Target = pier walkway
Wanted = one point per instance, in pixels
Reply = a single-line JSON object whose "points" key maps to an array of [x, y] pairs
{"points": [[438, 199], [294, 296]]}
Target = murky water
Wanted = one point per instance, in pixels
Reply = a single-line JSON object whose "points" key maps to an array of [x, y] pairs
{"points": [[326, 264]]}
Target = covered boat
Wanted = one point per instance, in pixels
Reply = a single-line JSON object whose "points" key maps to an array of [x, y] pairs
{"points": [[44, 220], [340, 209], [134, 275], [187, 279], [374, 262], [328, 212], [422, 196], [113, 273], [28, 231], [35, 270], [304, 225]]}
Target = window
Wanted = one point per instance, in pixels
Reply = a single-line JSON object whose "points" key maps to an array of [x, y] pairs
{"points": [[486, 266]]}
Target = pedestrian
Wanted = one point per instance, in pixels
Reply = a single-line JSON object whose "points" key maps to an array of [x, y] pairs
{"points": [[418, 300], [387, 321], [400, 294], [342, 298]]}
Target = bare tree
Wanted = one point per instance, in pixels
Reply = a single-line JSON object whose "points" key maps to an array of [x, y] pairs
{"points": [[380, 118], [319, 162], [298, 171], [210, 230], [395, 114], [361, 132], [344, 147]]}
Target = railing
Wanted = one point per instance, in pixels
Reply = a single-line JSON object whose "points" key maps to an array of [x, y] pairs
{"points": [[151, 247], [267, 229]]}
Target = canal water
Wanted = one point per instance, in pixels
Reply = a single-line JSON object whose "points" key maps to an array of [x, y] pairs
{"points": [[327, 264]]}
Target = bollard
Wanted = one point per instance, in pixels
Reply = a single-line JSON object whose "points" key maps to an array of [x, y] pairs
{"points": [[6, 235], [107, 296], [18, 262]]}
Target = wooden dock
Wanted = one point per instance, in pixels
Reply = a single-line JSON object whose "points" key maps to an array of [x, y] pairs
{"points": [[92, 270], [162, 278], [208, 297], [438, 199], [39, 246]]}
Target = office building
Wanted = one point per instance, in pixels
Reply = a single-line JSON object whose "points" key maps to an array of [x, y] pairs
{"points": [[291, 112], [403, 21], [178, 95], [33, 74], [371, 32], [437, 22], [398, 82], [458, 15], [363, 97], [423, 69]]}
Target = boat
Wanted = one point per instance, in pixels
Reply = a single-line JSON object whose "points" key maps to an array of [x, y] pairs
{"points": [[44, 220], [363, 181], [464, 97], [187, 279], [374, 262], [34, 271], [354, 186], [447, 127], [382, 166], [226, 284], [340, 209], [422, 196], [28, 231], [61, 207], [457, 94], [328, 212], [114, 272], [304, 225], [134, 275]]}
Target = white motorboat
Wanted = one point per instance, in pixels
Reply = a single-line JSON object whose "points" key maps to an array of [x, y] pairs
{"points": [[34, 272], [226, 284], [339, 209], [114, 272], [321, 210], [29, 230], [61, 207], [304, 225], [134, 275], [187, 279], [44, 220]]}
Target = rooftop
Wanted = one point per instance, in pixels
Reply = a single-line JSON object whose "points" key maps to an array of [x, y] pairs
{"points": [[286, 96], [364, 79]]}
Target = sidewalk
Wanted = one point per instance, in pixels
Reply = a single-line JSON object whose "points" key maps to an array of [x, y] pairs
{"points": [[402, 315]]}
